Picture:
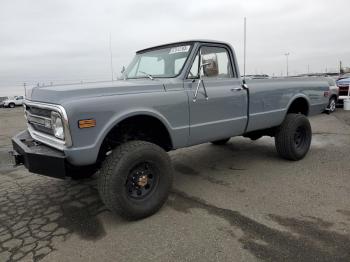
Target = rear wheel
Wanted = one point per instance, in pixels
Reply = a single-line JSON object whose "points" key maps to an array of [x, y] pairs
{"points": [[135, 180], [293, 137], [220, 142]]}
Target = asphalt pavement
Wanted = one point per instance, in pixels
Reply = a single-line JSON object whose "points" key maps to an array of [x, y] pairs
{"points": [[237, 202]]}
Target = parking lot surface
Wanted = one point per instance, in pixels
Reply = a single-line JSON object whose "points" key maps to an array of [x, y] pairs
{"points": [[238, 202]]}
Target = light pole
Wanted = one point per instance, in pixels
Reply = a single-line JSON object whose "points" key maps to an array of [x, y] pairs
{"points": [[111, 54], [287, 55]]}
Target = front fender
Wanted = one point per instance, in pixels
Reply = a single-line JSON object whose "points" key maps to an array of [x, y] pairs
{"points": [[130, 113], [87, 155]]}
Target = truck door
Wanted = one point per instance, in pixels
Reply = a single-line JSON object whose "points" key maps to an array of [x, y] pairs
{"points": [[218, 109]]}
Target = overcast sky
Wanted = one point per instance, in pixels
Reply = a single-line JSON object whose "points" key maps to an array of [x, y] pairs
{"points": [[65, 40]]}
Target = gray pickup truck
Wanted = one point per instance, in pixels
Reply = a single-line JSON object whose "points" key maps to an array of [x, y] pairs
{"points": [[170, 96]]}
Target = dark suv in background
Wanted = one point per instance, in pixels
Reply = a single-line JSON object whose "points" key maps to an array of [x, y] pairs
{"points": [[343, 83]]}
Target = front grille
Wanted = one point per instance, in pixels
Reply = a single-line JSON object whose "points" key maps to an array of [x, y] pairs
{"points": [[38, 111], [39, 119], [343, 91]]}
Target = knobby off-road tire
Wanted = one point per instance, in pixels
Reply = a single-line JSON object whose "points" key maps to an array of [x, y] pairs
{"points": [[135, 179], [220, 142], [293, 137]]}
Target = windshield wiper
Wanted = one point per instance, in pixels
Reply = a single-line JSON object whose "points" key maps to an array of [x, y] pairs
{"points": [[148, 75]]}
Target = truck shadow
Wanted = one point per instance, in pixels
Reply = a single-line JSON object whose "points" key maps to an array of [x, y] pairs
{"points": [[304, 239], [234, 158]]}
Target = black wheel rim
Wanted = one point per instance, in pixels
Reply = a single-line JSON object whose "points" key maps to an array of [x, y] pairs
{"points": [[300, 137], [142, 180]]}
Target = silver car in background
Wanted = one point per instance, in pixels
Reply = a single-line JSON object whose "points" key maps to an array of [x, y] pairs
{"points": [[333, 95]]}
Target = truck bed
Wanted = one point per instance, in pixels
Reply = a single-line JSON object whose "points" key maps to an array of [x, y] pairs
{"points": [[269, 99]]}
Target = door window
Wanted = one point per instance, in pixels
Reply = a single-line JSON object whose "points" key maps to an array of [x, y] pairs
{"points": [[217, 60], [219, 64]]}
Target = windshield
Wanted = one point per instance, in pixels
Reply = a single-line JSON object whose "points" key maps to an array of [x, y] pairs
{"points": [[162, 62]]}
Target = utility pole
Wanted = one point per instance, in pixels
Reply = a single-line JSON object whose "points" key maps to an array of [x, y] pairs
{"points": [[25, 88], [287, 55]]}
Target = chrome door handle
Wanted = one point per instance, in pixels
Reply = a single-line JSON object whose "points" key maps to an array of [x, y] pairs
{"points": [[236, 89]]}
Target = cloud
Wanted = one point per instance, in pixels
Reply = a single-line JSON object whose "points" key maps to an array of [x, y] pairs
{"points": [[44, 41]]}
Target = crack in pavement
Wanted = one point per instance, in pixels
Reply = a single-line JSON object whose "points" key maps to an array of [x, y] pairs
{"points": [[329, 133], [308, 240], [35, 212]]}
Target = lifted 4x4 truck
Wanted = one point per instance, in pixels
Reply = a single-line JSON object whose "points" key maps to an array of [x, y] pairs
{"points": [[170, 96]]}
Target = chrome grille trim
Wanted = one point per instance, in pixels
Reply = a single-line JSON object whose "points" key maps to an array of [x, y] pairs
{"points": [[46, 138], [37, 119]]}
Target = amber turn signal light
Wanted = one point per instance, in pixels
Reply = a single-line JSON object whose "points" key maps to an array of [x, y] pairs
{"points": [[87, 123]]}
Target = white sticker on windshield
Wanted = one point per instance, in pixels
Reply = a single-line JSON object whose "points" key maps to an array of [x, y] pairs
{"points": [[179, 49]]}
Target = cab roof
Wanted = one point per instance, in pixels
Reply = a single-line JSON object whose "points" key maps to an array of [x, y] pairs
{"points": [[180, 43]]}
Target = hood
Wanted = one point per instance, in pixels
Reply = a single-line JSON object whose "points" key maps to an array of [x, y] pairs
{"points": [[56, 94]]}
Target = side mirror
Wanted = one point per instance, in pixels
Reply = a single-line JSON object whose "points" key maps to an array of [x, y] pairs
{"points": [[205, 64], [211, 60], [200, 69]]}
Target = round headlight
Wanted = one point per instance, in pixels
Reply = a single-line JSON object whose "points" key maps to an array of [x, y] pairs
{"points": [[57, 125]]}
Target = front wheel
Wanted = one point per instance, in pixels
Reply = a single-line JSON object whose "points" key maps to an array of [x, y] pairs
{"points": [[135, 180], [293, 137], [11, 105]]}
